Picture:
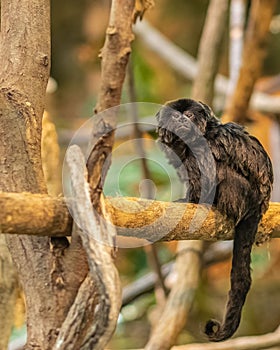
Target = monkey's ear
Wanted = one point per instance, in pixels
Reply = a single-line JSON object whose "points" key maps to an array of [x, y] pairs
{"points": [[206, 108]]}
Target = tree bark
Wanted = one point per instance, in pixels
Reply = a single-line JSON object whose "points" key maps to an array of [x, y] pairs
{"points": [[50, 273], [115, 55], [24, 58], [102, 271], [93, 315], [8, 293], [25, 62], [133, 217]]}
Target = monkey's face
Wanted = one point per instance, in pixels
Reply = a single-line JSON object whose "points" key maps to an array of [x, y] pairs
{"points": [[183, 119]]}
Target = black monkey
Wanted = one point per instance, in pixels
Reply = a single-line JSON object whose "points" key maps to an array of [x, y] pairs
{"points": [[243, 175]]}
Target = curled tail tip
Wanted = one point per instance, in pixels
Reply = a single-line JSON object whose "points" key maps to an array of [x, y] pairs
{"points": [[213, 330]]}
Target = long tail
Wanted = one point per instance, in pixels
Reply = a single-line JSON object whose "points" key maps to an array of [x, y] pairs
{"points": [[244, 238]]}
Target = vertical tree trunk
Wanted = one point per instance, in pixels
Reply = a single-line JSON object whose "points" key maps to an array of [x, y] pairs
{"points": [[25, 63]]}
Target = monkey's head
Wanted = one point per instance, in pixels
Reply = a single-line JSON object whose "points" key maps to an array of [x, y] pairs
{"points": [[184, 119]]}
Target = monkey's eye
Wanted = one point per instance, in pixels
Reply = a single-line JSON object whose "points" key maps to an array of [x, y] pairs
{"points": [[189, 114], [176, 115]]}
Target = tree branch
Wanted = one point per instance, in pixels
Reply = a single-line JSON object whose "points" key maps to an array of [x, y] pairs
{"points": [[93, 324], [86, 325], [25, 60], [260, 342], [209, 51], [133, 217], [186, 65], [51, 164], [115, 55], [253, 55]]}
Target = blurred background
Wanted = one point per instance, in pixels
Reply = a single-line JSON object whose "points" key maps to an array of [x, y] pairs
{"points": [[78, 32]]}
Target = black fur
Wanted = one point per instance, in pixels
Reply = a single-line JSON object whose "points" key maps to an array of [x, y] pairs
{"points": [[243, 176]]}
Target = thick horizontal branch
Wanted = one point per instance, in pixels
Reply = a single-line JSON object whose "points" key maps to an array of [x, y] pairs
{"points": [[35, 214]]}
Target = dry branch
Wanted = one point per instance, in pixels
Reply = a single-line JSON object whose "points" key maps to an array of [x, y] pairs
{"points": [[186, 65], [259, 342], [87, 326], [25, 51], [50, 284], [102, 282], [209, 50], [253, 55], [115, 55], [51, 217], [50, 156], [133, 217], [24, 62]]}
